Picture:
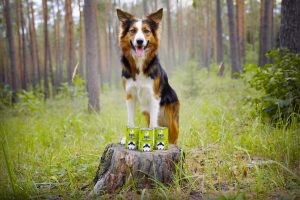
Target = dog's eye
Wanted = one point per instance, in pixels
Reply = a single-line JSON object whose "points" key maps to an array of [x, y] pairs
{"points": [[146, 31], [132, 30]]}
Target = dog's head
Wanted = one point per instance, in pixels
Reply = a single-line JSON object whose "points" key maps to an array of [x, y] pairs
{"points": [[139, 36]]}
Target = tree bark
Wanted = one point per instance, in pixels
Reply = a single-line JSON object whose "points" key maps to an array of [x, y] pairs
{"points": [[101, 70], [252, 24], [81, 43], [181, 50], [290, 25], [35, 46], [264, 33], [51, 68], [234, 55], [2, 64], [70, 43], [145, 7], [19, 47], [170, 36], [119, 165], [208, 30], [12, 55], [58, 56], [24, 57], [90, 15], [109, 42], [219, 30], [241, 28], [45, 17]]}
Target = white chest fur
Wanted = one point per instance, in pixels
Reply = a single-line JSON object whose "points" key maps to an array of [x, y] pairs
{"points": [[142, 91]]}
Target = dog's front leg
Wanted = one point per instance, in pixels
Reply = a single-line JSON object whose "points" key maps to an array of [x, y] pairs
{"points": [[154, 110], [130, 111]]}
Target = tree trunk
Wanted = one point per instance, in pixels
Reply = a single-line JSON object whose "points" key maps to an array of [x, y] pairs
{"points": [[119, 166], [90, 16], [109, 43], [252, 24], [12, 55], [33, 72], [2, 64], [290, 25], [70, 43], [24, 58], [219, 30], [81, 42], [170, 36], [51, 68], [19, 47], [45, 17], [208, 29], [241, 28], [145, 7], [264, 33], [100, 65], [58, 56], [181, 50], [234, 56], [35, 46]]}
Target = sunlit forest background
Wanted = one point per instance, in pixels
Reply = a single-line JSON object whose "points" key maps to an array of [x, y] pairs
{"points": [[234, 65]]}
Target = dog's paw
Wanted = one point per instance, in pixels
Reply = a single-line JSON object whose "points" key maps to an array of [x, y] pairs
{"points": [[123, 141]]}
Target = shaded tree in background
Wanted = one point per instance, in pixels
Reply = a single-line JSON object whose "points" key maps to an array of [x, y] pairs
{"points": [[69, 40], [199, 37], [12, 54], [24, 56], [181, 54], [219, 31], [290, 25], [81, 42], [58, 48], [35, 50], [90, 14], [207, 39], [265, 32], [45, 16], [19, 42], [171, 51], [241, 29], [234, 54]]}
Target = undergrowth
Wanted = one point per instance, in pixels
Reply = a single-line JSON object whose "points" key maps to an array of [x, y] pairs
{"points": [[52, 149]]}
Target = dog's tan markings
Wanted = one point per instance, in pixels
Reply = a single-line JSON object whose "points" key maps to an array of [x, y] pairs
{"points": [[169, 117], [156, 87], [128, 96], [123, 83], [147, 116]]}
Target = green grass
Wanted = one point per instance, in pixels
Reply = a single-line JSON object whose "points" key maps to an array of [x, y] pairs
{"points": [[52, 150]]}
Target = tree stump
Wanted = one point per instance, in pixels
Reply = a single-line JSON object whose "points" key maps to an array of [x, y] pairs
{"points": [[119, 166]]}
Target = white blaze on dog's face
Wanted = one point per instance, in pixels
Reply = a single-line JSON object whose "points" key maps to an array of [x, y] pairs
{"points": [[139, 41], [139, 35]]}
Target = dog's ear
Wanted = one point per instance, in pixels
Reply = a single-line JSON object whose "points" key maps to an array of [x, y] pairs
{"points": [[124, 16], [156, 16]]}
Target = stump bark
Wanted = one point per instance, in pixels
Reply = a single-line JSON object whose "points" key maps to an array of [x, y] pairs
{"points": [[119, 166]]}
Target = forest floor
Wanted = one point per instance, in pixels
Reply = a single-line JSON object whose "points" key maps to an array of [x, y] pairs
{"points": [[51, 150]]}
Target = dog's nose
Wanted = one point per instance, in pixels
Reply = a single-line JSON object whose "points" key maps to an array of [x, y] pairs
{"points": [[139, 41]]}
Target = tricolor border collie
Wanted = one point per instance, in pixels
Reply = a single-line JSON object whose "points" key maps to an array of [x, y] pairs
{"points": [[144, 80]]}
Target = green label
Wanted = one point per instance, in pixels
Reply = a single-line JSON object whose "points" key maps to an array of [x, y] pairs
{"points": [[146, 140], [132, 137], [161, 138]]}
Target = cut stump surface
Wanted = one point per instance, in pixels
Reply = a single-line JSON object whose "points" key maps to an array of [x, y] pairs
{"points": [[119, 166]]}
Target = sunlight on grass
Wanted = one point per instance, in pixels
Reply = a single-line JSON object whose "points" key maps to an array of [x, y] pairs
{"points": [[53, 150]]}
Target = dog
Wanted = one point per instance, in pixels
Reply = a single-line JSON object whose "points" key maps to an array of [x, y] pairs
{"points": [[143, 78]]}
